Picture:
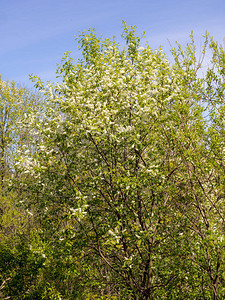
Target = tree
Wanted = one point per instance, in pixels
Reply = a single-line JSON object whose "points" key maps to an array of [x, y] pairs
{"points": [[127, 179], [15, 103], [19, 264]]}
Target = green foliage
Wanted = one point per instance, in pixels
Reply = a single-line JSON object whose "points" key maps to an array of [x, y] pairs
{"points": [[21, 266], [15, 103], [126, 183]]}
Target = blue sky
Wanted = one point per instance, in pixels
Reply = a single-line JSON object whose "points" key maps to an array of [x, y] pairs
{"points": [[34, 34]]}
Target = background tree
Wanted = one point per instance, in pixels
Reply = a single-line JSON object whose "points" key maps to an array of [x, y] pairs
{"points": [[20, 260]]}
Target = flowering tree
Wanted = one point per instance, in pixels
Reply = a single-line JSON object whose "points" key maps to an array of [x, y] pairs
{"points": [[128, 177]]}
